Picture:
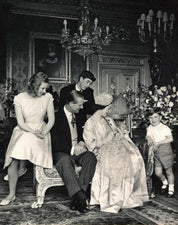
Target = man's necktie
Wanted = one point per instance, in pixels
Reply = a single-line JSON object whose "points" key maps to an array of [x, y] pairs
{"points": [[73, 121]]}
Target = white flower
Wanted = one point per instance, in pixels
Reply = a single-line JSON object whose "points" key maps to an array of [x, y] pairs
{"points": [[174, 88], [155, 98], [150, 92], [171, 104], [164, 88], [159, 91], [159, 104]]}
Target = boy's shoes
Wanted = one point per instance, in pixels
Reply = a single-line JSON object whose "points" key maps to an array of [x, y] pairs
{"points": [[164, 190], [170, 194]]}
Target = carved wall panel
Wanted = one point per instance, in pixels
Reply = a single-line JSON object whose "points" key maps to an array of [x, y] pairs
{"points": [[17, 61], [115, 74]]}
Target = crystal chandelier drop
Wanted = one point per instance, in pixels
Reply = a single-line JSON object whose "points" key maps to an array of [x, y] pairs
{"points": [[89, 38]]}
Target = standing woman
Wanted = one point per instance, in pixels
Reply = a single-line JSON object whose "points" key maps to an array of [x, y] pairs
{"points": [[30, 139]]}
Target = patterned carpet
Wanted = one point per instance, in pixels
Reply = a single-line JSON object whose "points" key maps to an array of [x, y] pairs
{"points": [[55, 211]]}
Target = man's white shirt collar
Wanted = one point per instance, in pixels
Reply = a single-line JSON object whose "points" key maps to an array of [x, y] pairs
{"points": [[68, 114], [77, 88], [69, 117]]}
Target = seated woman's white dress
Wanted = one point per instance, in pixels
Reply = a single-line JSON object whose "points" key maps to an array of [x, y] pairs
{"points": [[25, 145], [119, 180]]}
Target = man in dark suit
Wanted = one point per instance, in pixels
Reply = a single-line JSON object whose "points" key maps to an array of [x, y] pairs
{"points": [[69, 150], [86, 78]]}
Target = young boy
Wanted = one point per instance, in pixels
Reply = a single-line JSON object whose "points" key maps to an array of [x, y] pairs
{"points": [[159, 138]]}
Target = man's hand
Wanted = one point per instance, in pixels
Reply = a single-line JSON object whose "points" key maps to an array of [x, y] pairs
{"points": [[80, 148]]}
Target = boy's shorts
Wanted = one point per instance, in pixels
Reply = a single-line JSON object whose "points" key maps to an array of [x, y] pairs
{"points": [[164, 157]]}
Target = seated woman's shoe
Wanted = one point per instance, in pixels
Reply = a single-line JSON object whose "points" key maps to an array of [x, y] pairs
{"points": [[7, 201], [170, 194], [21, 173], [95, 208], [152, 195]]}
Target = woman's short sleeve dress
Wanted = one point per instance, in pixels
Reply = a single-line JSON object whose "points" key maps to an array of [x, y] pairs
{"points": [[25, 145]]}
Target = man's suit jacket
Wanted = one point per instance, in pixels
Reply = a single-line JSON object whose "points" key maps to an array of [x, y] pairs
{"points": [[60, 134], [88, 106]]}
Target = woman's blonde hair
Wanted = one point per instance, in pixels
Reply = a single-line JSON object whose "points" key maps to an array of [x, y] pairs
{"points": [[35, 82]]}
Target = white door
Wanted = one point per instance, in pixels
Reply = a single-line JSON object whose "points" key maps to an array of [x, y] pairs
{"points": [[114, 79]]}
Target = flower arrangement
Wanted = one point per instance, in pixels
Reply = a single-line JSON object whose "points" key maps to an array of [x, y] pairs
{"points": [[130, 97], [7, 92], [165, 98]]}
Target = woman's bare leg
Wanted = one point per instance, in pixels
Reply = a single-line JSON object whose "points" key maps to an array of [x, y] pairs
{"points": [[13, 178], [22, 166]]}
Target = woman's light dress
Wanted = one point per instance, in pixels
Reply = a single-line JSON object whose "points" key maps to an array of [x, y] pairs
{"points": [[25, 145], [120, 179]]}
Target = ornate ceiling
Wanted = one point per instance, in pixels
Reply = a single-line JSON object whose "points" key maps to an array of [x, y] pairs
{"points": [[103, 4]]}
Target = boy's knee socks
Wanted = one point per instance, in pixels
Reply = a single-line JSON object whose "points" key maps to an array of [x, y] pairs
{"points": [[165, 183], [171, 187]]}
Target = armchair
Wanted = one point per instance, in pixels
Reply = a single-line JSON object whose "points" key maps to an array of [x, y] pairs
{"points": [[44, 179]]}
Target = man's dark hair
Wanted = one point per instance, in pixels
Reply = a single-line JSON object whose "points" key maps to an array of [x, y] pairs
{"points": [[87, 74], [73, 95]]}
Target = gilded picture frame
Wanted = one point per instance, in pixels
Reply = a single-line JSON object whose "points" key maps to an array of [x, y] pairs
{"points": [[46, 54]]}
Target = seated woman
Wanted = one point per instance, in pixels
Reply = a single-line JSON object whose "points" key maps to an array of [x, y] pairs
{"points": [[31, 138], [120, 179]]}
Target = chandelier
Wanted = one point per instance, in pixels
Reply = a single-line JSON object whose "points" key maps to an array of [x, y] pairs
{"points": [[90, 37], [155, 29]]}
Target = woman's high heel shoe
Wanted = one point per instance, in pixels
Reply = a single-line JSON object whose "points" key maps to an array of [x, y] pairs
{"points": [[7, 201]]}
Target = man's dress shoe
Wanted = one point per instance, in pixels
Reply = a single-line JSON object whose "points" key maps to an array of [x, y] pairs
{"points": [[79, 202]]}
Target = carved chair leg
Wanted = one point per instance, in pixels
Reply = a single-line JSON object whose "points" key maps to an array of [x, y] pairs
{"points": [[40, 195], [34, 185]]}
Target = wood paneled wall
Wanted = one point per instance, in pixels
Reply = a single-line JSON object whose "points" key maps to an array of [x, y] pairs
{"points": [[23, 17]]}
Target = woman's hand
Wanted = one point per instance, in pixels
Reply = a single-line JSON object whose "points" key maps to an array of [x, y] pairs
{"points": [[39, 134]]}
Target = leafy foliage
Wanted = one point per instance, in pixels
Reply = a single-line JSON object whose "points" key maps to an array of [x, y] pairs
{"points": [[7, 92]]}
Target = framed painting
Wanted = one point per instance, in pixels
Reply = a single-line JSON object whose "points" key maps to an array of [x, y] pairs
{"points": [[46, 54], [77, 64]]}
